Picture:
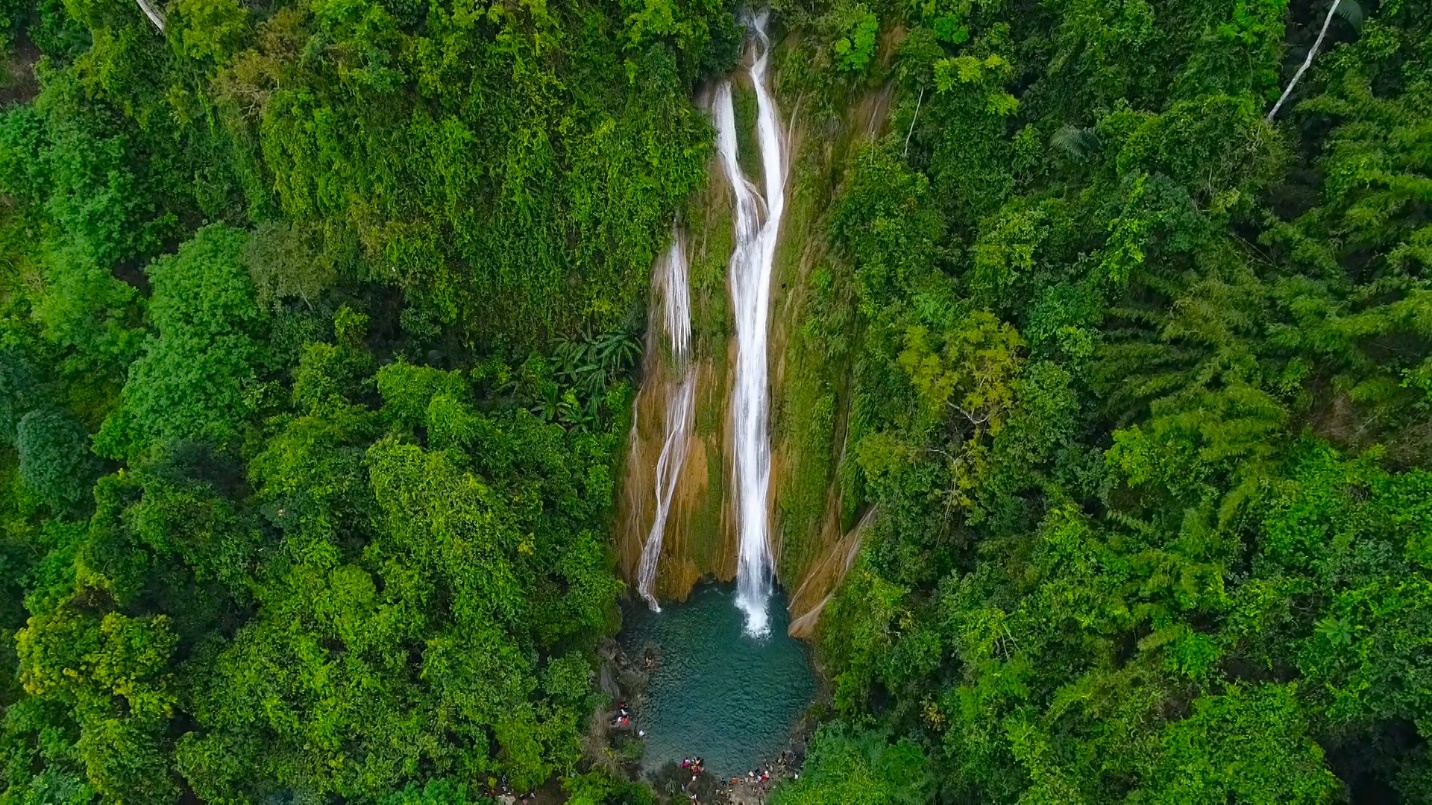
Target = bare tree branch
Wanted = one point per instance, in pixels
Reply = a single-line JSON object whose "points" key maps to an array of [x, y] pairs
{"points": [[913, 118], [1306, 62], [971, 417], [152, 11]]}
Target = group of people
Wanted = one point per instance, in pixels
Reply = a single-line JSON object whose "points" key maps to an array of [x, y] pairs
{"points": [[695, 765], [622, 720], [758, 780], [506, 790], [623, 716]]}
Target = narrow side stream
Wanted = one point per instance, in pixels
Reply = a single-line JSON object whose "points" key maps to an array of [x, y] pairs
{"points": [[671, 276], [716, 691]]}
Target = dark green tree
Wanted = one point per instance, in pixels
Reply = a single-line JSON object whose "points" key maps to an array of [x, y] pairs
{"points": [[55, 459]]}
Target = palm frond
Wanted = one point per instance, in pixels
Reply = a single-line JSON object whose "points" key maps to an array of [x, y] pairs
{"points": [[1079, 143]]}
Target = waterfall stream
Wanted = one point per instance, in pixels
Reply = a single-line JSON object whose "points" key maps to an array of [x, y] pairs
{"points": [[750, 279], [671, 276]]}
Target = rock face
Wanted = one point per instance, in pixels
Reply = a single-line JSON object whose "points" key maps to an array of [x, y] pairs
{"points": [[699, 536], [815, 531]]}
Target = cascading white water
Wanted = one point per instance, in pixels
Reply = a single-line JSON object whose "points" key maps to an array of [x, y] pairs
{"points": [[671, 276], [750, 278]]}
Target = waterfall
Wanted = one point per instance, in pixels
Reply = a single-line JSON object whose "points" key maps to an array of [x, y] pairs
{"points": [[670, 275], [750, 278]]}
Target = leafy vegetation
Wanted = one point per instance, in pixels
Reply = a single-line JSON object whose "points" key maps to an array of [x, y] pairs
{"points": [[1138, 397], [317, 347], [318, 332]]}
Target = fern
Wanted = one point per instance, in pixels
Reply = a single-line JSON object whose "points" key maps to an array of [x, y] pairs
{"points": [[1080, 144], [1351, 12]]}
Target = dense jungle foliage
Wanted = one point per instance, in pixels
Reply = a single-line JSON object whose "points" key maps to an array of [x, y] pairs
{"points": [[1141, 395], [318, 324]]}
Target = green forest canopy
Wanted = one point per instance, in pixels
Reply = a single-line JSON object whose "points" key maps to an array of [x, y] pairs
{"points": [[318, 328]]}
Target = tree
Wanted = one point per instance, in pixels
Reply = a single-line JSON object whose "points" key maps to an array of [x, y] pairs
{"points": [[115, 672], [200, 372], [20, 390], [55, 459], [862, 768], [1252, 746]]}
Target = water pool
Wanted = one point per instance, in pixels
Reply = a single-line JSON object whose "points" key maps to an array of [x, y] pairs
{"points": [[716, 692]]}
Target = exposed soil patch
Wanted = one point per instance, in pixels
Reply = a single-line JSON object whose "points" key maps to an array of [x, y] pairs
{"points": [[17, 74]]}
